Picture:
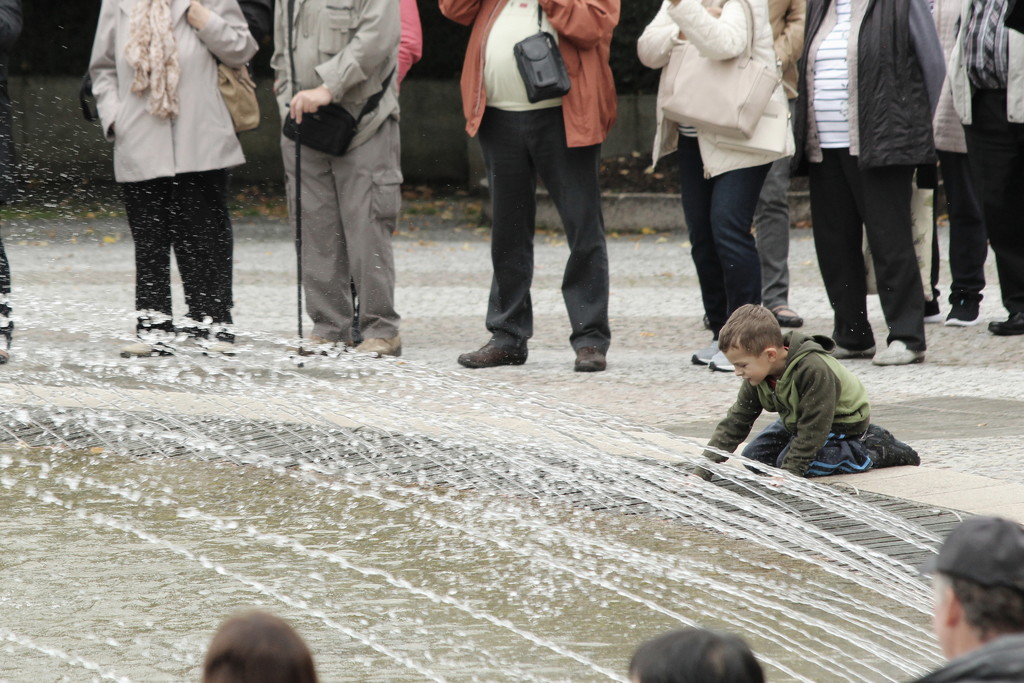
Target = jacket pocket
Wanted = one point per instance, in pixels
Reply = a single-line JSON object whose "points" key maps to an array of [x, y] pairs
{"points": [[387, 198], [335, 24]]}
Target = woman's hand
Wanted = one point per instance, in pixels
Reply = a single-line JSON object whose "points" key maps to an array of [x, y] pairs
{"points": [[197, 15], [308, 101]]}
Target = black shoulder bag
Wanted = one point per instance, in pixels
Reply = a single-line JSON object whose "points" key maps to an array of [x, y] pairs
{"points": [[330, 128], [541, 66]]}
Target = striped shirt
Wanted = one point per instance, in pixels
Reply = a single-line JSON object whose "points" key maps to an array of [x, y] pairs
{"points": [[832, 81], [987, 45]]}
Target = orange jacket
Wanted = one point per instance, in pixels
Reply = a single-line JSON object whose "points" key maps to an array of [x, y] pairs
{"points": [[584, 35]]}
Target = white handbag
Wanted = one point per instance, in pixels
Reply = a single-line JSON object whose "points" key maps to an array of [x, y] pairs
{"points": [[725, 96], [770, 135]]}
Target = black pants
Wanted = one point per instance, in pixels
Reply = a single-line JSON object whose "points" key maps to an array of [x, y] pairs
{"points": [[968, 241], [517, 147], [846, 201], [187, 213], [995, 148]]}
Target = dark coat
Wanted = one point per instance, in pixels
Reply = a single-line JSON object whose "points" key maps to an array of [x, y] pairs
{"points": [[998, 661], [894, 101], [10, 29], [260, 16]]}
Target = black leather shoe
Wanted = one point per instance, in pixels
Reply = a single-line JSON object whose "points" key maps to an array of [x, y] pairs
{"points": [[1011, 326], [787, 317], [489, 356], [590, 359]]}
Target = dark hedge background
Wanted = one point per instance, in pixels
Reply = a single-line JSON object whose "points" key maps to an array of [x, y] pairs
{"points": [[58, 38]]}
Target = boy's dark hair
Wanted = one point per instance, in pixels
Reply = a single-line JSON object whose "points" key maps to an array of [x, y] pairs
{"points": [[257, 647], [750, 328], [992, 610], [694, 655]]}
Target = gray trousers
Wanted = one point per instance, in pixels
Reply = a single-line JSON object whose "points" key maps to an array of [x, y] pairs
{"points": [[349, 211], [771, 222]]}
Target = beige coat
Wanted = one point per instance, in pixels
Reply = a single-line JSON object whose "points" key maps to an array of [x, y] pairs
{"points": [[201, 137], [787, 18], [349, 46], [722, 38], [949, 132]]}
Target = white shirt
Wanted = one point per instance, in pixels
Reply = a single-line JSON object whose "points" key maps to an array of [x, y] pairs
{"points": [[505, 90], [832, 82]]}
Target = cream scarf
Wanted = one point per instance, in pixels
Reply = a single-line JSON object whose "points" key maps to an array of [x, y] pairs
{"points": [[153, 52]]}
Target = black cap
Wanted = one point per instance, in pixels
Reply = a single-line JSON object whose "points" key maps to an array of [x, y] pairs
{"points": [[986, 550]]}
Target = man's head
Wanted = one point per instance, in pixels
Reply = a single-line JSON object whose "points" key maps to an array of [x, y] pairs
{"points": [[979, 584], [752, 341]]}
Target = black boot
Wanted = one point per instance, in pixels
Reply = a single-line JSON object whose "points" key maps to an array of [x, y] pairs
{"points": [[887, 450]]}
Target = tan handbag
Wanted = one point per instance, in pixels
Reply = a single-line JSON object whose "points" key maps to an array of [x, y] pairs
{"points": [[726, 96], [239, 93]]}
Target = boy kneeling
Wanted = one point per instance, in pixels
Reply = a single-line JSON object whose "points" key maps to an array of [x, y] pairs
{"points": [[824, 416]]}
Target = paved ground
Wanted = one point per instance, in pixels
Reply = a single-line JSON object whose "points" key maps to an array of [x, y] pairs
{"points": [[960, 409]]}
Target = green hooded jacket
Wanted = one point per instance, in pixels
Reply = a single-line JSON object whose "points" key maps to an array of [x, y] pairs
{"points": [[815, 396]]}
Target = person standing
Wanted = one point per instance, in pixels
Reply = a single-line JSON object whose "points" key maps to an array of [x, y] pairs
{"points": [[771, 217], [986, 77], [557, 139], [968, 240], [344, 52], [154, 75], [870, 76], [10, 29], [719, 184], [978, 608]]}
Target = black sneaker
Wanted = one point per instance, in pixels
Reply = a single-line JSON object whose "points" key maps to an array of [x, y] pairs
{"points": [[887, 450], [964, 313]]}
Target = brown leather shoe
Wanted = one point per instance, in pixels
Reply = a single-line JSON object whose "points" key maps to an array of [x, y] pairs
{"points": [[490, 355], [590, 359]]}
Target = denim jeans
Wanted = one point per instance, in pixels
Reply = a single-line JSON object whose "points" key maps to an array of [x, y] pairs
{"points": [[771, 220], [719, 213], [840, 454]]}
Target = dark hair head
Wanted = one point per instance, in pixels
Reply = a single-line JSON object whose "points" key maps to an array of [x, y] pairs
{"points": [[750, 328], [991, 610], [256, 647], [694, 655]]}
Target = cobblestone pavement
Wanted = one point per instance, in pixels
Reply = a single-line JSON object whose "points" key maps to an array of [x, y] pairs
{"points": [[959, 409]]}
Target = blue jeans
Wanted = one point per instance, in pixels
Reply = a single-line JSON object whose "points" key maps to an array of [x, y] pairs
{"points": [[840, 454], [719, 213]]}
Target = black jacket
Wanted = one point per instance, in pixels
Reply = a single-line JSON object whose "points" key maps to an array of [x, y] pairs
{"points": [[10, 29], [260, 16], [899, 74], [998, 661]]}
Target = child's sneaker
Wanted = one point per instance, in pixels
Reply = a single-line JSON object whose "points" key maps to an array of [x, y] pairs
{"points": [[964, 313], [887, 450]]}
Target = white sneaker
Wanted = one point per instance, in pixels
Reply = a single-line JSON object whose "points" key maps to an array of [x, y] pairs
{"points": [[898, 354], [721, 363], [704, 356]]}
